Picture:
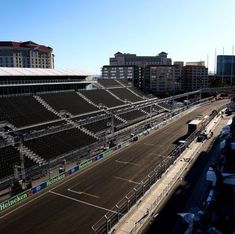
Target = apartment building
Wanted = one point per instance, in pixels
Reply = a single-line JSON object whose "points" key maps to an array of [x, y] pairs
{"points": [[25, 54], [195, 76], [132, 59], [160, 79]]}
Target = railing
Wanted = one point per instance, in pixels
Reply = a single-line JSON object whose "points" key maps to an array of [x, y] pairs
{"points": [[105, 224]]}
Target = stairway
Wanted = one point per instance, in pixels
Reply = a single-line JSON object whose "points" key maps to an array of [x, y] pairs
{"points": [[46, 105], [86, 131], [86, 99], [114, 95], [120, 83], [121, 119], [30, 154], [142, 97]]}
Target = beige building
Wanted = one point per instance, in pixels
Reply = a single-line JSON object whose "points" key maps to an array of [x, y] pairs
{"points": [[25, 54], [195, 76], [132, 59], [160, 79]]}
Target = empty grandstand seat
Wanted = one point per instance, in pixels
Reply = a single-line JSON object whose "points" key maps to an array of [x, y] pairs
{"points": [[100, 96], [136, 114], [69, 101], [124, 93], [125, 82], [139, 92], [53, 145], [101, 125], [9, 157], [108, 83], [41, 127], [23, 111]]}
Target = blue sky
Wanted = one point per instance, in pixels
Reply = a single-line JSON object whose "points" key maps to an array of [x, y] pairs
{"points": [[85, 33]]}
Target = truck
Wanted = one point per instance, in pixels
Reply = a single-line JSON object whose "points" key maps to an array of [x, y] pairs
{"points": [[195, 126]]}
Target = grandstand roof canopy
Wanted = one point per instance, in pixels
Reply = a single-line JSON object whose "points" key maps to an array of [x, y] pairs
{"points": [[9, 71]]}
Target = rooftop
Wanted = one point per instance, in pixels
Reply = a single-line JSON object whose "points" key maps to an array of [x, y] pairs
{"points": [[26, 44], [7, 71]]}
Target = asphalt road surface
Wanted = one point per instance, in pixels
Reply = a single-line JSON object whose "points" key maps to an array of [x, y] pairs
{"points": [[188, 194], [76, 205]]}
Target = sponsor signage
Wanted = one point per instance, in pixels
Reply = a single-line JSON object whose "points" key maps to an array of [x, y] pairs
{"points": [[55, 179], [39, 188], [73, 170], [109, 151], [85, 163], [118, 146], [99, 156], [125, 143], [14, 200]]}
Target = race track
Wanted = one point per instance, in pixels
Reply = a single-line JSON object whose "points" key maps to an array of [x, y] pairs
{"points": [[74, 206]]}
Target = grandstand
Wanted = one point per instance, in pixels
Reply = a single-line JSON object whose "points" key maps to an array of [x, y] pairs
{"points": [[102, 97], [133, 115], [108, 83], [125, 82], [126, 95], [23, 111], [55, 117], [102, 125], [9, 157], [54, 145], [69, 102]]}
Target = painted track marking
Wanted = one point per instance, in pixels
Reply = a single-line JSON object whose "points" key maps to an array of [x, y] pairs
{"points": [[149, 144], [124, 162], [81, 192], [83, 202], [124, 179]]}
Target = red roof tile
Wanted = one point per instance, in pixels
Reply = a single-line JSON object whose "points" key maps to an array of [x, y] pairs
{"points": [[26, 44]]}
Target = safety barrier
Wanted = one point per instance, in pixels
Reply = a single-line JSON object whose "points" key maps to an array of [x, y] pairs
{"points": [[105, 224], [82, 165], [129, 201]]}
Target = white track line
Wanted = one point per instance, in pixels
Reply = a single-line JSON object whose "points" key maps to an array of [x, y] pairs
{"points": [[38, 196], [81, 192], [83, 202], [124, 162], [124, 179], [149, 144]]}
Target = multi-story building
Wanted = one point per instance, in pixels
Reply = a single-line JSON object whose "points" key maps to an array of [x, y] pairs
{"points": [[160, 79], [225, 71], [131, 66], [25, 54], [194, 77], [133, 59], [130, 72], [178, 74]]}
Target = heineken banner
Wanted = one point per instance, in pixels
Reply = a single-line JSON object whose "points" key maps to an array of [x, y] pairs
{"points": [[107, 152], [85, 163], [55, 179], [14, 200]]}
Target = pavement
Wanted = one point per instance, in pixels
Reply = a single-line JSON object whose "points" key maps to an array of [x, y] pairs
{"points": [[147, 209], [78, 202]]}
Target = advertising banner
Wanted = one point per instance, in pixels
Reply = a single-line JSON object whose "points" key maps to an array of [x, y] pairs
{"points": [[107, 152], [55, 179], [38, 187], [73, 170], [14, 200], [99, 156], [85, 163]]}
